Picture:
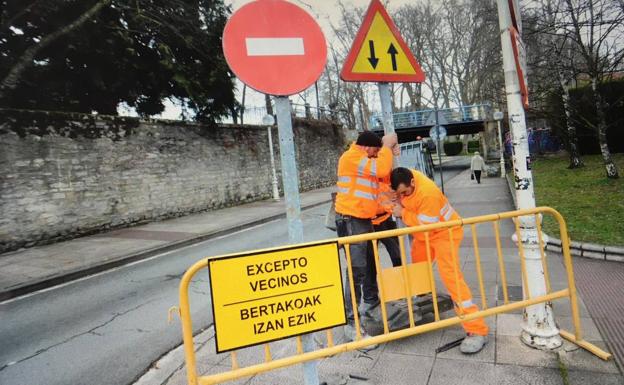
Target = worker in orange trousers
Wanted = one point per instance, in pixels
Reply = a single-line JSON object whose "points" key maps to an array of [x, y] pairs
{"points": [[422, 203]]}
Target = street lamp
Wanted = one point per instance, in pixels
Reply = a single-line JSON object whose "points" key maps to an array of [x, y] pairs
{"points": [[269, 120], [498, 116]]}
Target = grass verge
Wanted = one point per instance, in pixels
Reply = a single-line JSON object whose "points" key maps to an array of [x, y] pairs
{"points": [[592, 205]]}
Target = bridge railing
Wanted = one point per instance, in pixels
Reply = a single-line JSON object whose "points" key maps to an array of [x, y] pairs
{"points": [[463, 114]]}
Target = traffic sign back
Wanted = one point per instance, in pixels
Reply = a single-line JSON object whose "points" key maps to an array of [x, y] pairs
{"points": [[437, 133], [274, 47], [379, 53], [520, 58]]}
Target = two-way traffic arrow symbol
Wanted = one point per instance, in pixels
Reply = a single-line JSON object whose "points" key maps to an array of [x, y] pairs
{"points": [[373, 60], [393, 52]]}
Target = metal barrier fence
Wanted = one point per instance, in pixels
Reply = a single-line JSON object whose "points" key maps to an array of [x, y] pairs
{"points": [[415, 155], [403, 283]]}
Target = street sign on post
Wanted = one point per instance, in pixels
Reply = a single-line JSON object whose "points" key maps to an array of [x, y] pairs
{"points": [[437, 133], [267, 296], [277, 48], [379, 53], [274, 47]]}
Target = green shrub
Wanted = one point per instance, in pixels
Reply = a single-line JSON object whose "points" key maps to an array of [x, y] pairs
{"points": [[452, 148], [473, 146]]}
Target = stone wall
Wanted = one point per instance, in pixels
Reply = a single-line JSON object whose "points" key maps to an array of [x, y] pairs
{"points": [[64, 175]]}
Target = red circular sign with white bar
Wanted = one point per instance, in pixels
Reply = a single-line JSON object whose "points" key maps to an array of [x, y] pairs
{"points": [[274, 47]]}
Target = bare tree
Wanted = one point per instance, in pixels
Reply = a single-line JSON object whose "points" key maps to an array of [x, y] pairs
{"points": [[596, 28], [554, 64], [457, 44], [351, 99]]}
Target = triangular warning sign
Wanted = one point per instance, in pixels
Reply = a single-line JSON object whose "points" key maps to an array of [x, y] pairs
{"points": [[379, 53]]}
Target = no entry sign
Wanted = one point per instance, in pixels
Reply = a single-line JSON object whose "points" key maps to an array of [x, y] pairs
{"points": [[274, 47]]}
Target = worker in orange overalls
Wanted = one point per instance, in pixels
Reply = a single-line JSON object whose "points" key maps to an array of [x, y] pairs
{"points": [[359, 170], [422, 203]]}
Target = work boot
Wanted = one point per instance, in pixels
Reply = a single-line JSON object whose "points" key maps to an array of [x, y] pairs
{"points": [[473, 343], [372, 312], [350, 335]]}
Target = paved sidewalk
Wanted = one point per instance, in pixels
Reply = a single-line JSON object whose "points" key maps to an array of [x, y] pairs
{"points": [[505, 359], [36, 268]]}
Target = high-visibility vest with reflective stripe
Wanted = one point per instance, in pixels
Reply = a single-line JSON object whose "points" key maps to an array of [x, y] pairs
{"points": [[384, 201], [427, 205], [358, 181]]}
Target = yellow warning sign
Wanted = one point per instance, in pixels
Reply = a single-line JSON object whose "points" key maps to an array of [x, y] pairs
{"points": [[271, 295], [379, 53]]}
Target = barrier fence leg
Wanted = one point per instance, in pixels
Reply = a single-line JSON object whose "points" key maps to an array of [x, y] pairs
{"points": [[290, 181], [539, 329]]}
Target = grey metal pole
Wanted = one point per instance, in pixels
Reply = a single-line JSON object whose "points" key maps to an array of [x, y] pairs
{"points": [[273, 171], [439, 150], [387, 118], [538, 328], [290, 181]]}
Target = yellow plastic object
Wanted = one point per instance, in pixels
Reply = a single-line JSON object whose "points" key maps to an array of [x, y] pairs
{"points": [[400, 283]]}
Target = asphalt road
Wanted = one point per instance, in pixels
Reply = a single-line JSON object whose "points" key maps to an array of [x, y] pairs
{"points": [[109, 328]]}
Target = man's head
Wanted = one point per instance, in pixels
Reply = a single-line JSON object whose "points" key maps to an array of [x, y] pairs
{"points": [[402, 181], [476, 152], [370, 142]]}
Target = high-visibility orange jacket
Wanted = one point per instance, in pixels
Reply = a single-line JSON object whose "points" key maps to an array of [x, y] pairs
{"points": [[358, 177], [384, 201], [427, 205]]}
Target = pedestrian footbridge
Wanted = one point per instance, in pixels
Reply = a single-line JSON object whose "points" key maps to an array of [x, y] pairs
{"points": [[459, 120]]}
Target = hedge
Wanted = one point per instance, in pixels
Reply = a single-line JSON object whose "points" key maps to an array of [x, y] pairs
{"points": [[453, 148]]}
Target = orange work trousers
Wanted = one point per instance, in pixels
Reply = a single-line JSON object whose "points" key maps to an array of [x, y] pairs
{"points": [[447, 257]]}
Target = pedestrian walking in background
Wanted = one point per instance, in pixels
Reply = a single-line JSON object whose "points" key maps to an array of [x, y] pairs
{"points": [[477, 164]]}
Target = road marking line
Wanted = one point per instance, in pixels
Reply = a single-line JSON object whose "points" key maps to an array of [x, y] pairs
{"points": [[51, 288], [274, 46]]}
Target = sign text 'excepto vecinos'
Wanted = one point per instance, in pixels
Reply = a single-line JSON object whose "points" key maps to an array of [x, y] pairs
{"points": [[270, 295]]}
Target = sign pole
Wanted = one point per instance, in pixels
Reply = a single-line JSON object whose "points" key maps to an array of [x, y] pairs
{"points": [[386, 110], [277, 48], [539, 329], [437, 124], [388, 125], [290, 182]]}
